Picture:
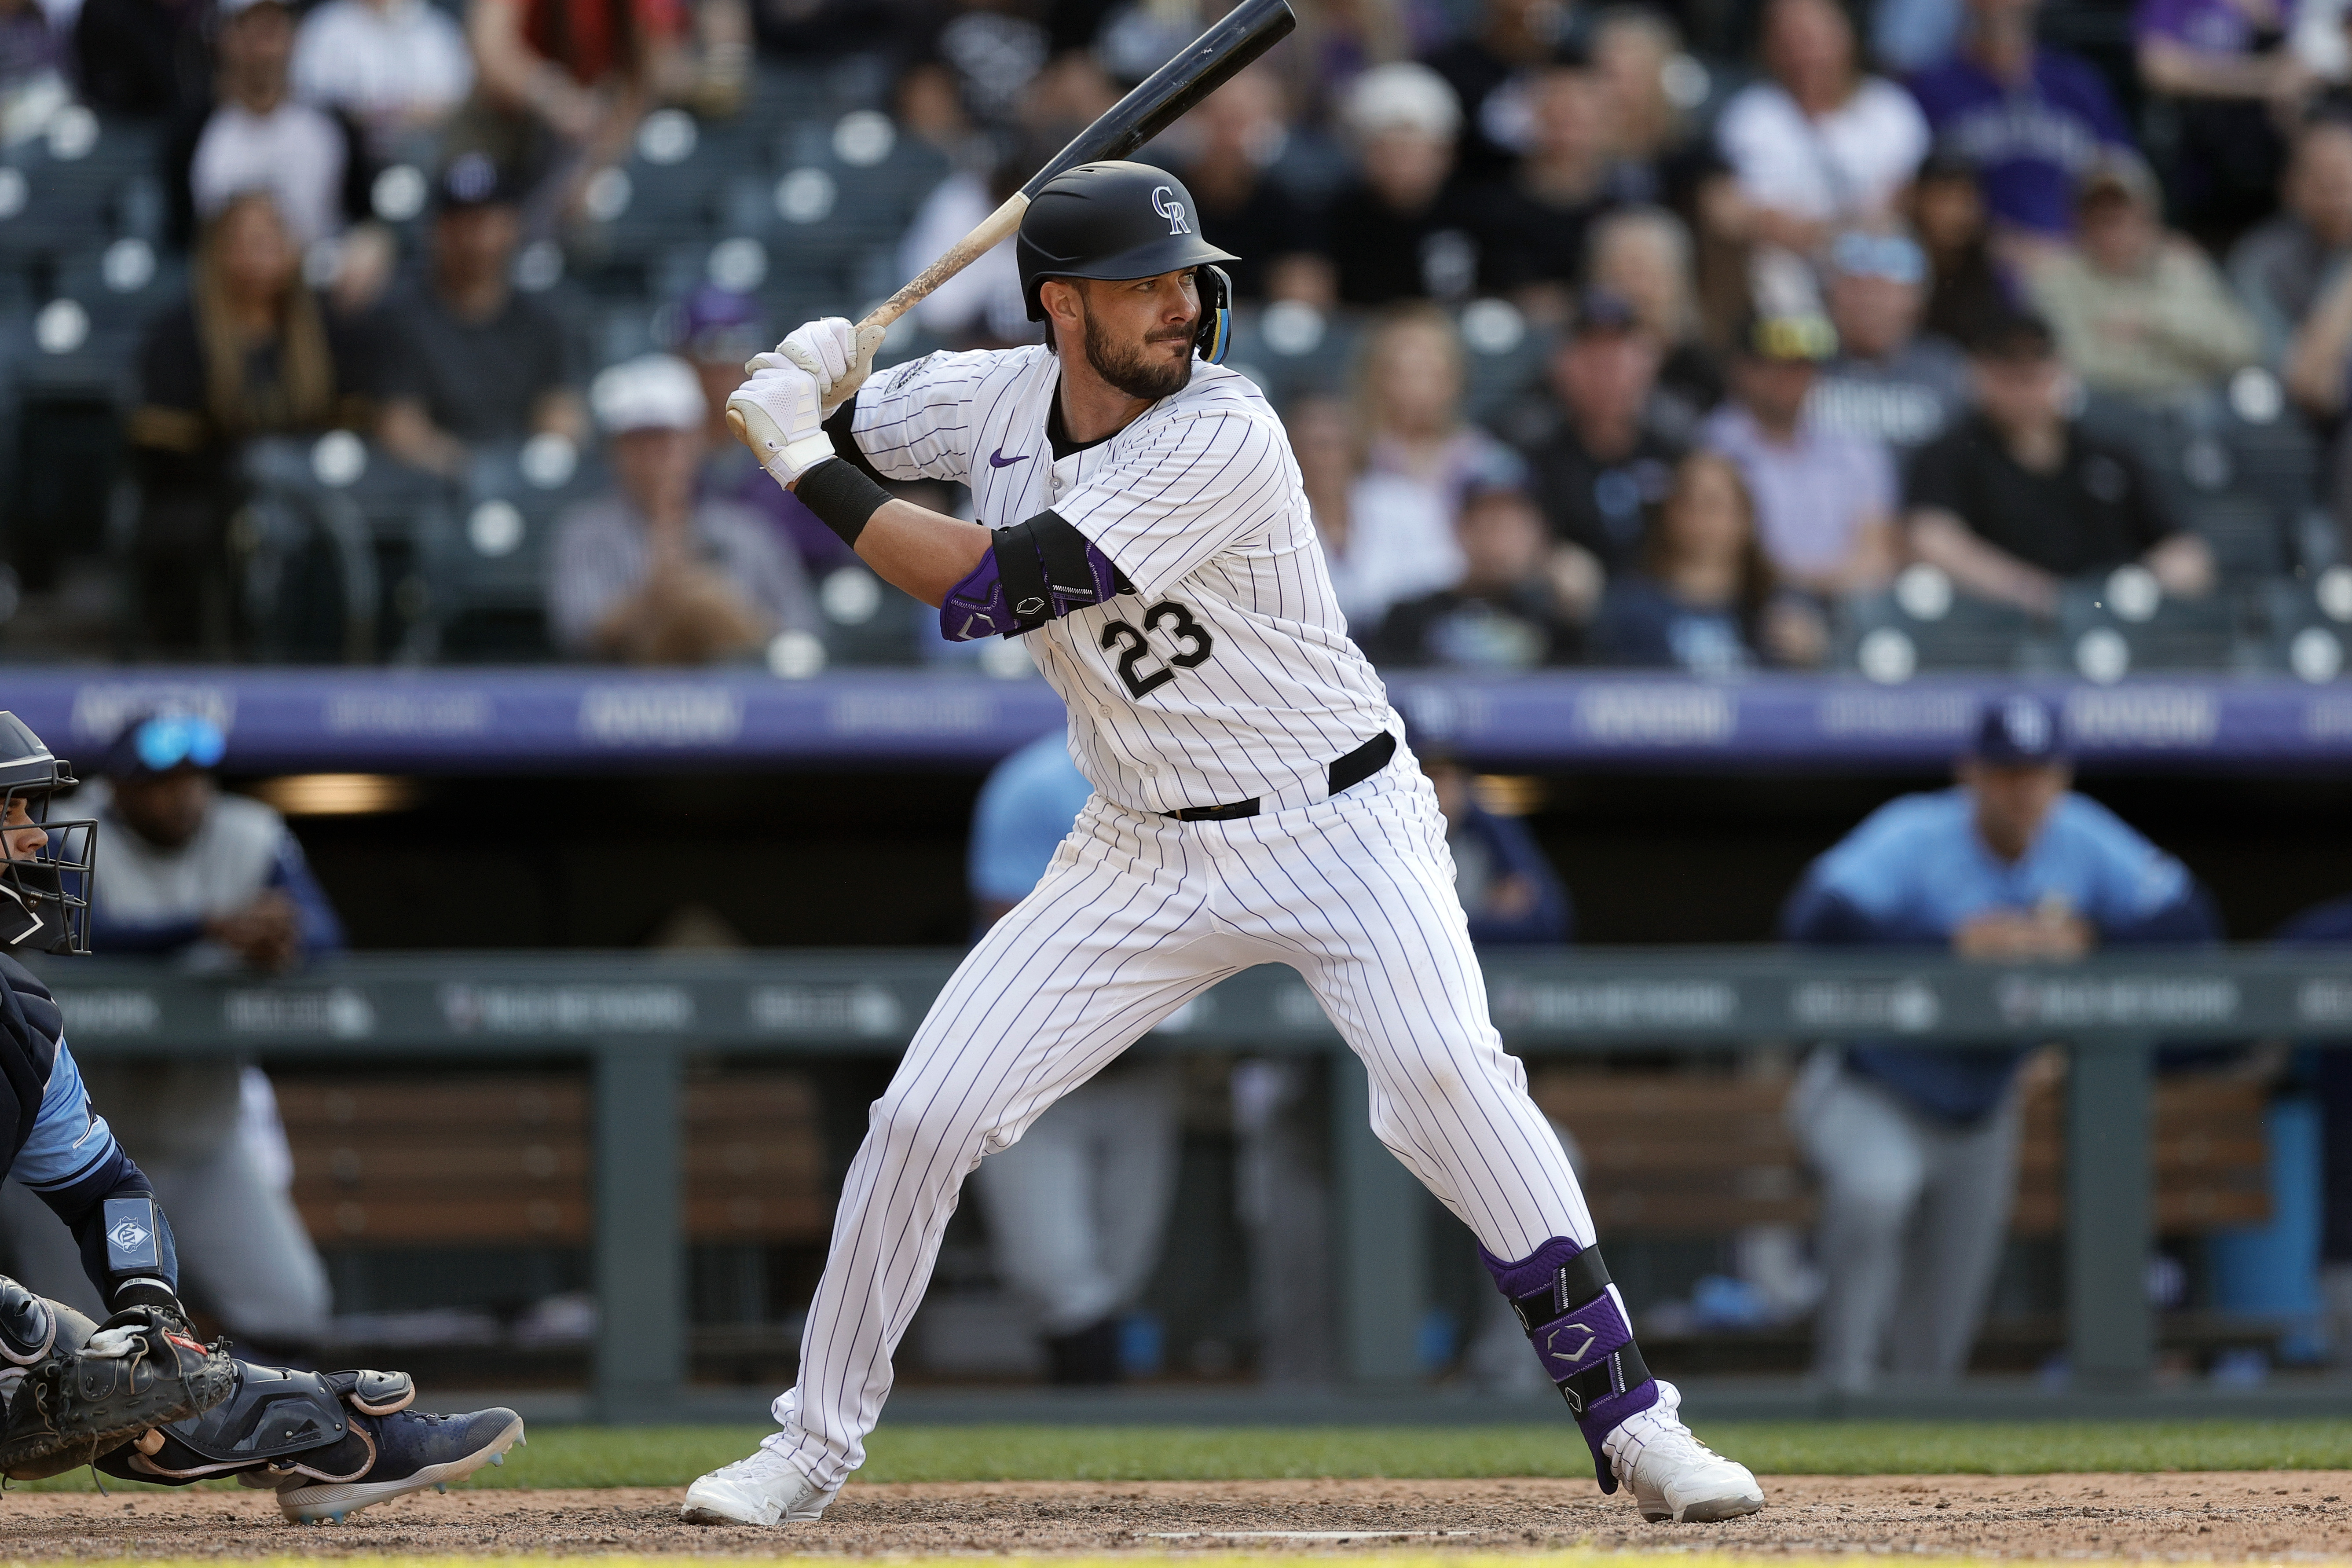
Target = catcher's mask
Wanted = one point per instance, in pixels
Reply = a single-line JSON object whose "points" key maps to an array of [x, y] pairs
{"points": [[43, 898]]}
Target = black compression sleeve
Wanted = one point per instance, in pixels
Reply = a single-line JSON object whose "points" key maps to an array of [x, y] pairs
{"points": [[837, 429], [842, 499]]}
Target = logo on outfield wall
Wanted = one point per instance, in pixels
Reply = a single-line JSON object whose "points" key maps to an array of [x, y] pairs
{"points": [[660, 716], [339, 1012], [1905, 1006], [824, 1010], [1651, 714], [2162, 717], [2323, 1001], [567, 1009], [1616, 1004], [2115, 1004], [372, 710], [109, 1012], [102, 708]]}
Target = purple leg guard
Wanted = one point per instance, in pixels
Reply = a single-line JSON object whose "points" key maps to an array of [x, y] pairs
{"points": [[1560, 1291]]}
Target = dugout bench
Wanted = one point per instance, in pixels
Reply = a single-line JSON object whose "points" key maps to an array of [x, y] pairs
{"points": [[648, 1145]]}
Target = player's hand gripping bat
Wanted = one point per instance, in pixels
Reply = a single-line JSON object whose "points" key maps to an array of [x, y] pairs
{"points": [[1164, 97]]}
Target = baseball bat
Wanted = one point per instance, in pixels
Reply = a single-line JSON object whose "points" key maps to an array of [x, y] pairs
{"points": [[1161, 98]]}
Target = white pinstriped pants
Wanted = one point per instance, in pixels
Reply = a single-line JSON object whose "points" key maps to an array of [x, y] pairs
{"points": [[1136, 915]]}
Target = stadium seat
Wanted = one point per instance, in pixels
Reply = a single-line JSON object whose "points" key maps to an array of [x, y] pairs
{"points": [[337, 493], [2307, 624], [1293, 351], [1925, 624], [486, 567], [866, 620], [2247, 532], [2120, 624]]}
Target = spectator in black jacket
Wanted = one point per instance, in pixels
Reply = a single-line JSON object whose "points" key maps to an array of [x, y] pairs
{"points": [[251, 351], [1504, 614], [2017, 497], [1599, 449], [1399, 230]]}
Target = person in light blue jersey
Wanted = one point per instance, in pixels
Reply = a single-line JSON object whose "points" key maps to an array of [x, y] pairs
{"points": [[1076, 1208], [1916, 1148]]}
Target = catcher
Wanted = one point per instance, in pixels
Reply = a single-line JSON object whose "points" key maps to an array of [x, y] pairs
{"points": [[140, 1397]]}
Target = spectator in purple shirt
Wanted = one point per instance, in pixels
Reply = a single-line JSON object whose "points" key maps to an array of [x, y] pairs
{"points": [[717, 330], [1824, 502], [2233, 82], [2029, 118]]}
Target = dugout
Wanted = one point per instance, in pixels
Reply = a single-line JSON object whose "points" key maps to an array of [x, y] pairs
{"points": [[481, 813]]}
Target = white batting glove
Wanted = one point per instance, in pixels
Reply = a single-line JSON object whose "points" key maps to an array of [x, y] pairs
{"points": [[839, 355], [777, 415]]}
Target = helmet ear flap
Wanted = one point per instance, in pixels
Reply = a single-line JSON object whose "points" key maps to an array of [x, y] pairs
{"points": [[1216, 331]]}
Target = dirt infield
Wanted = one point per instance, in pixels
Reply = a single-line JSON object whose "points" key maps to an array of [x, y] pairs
{"points": [[2211, 1516]]}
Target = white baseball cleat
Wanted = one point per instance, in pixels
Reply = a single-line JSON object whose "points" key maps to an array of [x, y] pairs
{"points": [[766, 1488], [1676, 1476]]}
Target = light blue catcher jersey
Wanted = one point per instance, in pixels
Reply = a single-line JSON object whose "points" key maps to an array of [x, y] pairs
{"points": [[69, 1137]]}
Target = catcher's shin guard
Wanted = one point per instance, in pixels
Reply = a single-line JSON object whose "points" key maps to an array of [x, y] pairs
{"points": [[1560, 1291], [277, 1426], [143, 1369]]}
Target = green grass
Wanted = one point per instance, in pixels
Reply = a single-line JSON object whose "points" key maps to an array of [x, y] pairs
{"points": [[673, 1455]]}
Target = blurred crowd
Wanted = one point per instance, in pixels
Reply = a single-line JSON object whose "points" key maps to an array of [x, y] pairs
{"points": [[1684, 335]]}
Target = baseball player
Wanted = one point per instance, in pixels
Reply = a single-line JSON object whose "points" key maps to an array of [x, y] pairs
{"points": [[138, 1396], [1142, 525]]}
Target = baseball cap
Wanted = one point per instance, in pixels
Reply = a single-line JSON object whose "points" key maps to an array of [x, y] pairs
{"points": [[2019, 730], [1599, 310], [1495, 469], [1857, 253], [652, 392], [1805, 336], [1403, 97], [718, 323], [2012, 337], [471, 180]]}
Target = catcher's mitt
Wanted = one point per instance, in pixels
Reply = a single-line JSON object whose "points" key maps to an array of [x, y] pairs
{"points": [[145, 1368]]}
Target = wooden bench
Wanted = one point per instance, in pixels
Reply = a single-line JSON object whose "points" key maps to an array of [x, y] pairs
{"points": [[1695, 1153], [487, 1159]]}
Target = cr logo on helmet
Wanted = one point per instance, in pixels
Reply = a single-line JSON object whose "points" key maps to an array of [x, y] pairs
{"points": [[1164, 202]]}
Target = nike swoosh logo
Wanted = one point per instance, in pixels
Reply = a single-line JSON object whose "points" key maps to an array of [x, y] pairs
{"points": [[997, 459]]}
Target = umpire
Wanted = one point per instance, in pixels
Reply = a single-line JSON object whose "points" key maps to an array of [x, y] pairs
{"points": [[1915, 1148]]}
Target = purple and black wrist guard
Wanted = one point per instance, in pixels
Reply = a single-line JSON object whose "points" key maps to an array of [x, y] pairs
{"points": [[1035, 572], [1560, 1291]]}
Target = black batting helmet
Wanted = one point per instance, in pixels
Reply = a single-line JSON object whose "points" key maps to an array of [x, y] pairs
{"points": [[44, 898], [1117, 219]]}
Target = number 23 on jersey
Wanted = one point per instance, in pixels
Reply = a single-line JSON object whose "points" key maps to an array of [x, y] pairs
{"points": [[1142, 670]]}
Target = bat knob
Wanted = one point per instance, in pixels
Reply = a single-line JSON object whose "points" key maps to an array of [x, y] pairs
{"points": [[735, 427]]}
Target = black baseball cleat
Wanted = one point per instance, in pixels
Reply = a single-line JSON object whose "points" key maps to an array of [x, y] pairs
{"points": [[412, 1452]]}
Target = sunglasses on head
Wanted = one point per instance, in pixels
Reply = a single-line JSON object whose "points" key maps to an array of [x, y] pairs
{"points": [[1887, 255], [164, 743]]}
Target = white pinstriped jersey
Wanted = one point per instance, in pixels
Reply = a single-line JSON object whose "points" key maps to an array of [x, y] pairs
{"points": [[1228, 672]]}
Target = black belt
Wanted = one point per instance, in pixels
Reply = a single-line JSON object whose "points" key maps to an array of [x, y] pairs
{"points": [[1346, 772]]}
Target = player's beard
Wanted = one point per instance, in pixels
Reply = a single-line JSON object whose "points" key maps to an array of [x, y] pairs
{"points": [[1133, 371]]}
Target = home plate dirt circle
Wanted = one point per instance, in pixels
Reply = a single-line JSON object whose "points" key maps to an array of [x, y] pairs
{"points": [[2194, 1516]]}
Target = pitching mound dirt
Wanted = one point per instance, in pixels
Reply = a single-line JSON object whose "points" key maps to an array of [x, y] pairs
{"points": [[2211, 1516]]}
